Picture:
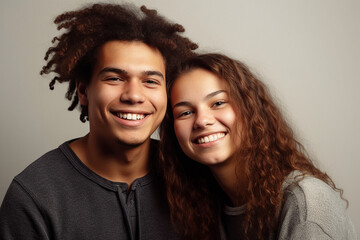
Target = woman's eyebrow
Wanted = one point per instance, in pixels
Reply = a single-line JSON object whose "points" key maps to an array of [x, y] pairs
{"points": [[210, 95], [188, 104], [183, 103]]}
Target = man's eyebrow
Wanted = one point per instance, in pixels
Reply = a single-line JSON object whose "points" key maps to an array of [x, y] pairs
{"points": [[188, 104], [124, 72], [151, 73], [114, 70]]}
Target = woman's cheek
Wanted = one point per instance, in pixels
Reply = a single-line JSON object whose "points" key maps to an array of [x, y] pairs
{"points": [[182, 131]]}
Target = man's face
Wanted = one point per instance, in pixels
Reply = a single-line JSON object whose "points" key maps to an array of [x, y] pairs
{"points": [[126, 97]]}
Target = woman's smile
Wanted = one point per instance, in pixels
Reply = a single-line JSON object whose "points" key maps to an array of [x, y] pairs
{"points": [[204, 119]]}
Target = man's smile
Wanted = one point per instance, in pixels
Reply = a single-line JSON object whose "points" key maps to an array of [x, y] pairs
{"points": [[130, 116]]}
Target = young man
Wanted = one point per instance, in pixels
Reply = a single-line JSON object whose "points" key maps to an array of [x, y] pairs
{"points": [[107, 184]]}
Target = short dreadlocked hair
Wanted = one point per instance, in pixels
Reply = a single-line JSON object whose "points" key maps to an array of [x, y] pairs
{"points": [[72, 57]]}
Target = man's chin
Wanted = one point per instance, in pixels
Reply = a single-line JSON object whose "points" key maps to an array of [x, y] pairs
{"points": [[131, 143]]}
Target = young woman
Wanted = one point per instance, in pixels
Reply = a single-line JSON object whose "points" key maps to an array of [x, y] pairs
{"points": [[232, 165]]}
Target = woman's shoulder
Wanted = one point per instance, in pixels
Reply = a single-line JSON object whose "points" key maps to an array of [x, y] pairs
{"points": [[317, 194], [311, 207]]}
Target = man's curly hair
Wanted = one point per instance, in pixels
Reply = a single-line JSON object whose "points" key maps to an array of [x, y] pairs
{"points": [[73, 55]]}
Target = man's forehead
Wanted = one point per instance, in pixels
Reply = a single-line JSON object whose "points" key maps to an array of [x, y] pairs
{"points": [[129, 56]]}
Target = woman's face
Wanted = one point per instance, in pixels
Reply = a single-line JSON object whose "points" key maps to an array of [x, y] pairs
{"points": [[204, 119]]}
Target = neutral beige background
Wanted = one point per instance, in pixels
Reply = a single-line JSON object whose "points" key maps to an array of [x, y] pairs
{"points": [[307, 51]]}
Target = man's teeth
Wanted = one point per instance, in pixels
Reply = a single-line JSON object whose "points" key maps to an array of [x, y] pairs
{"points": [[210, 138], [130, 116]]}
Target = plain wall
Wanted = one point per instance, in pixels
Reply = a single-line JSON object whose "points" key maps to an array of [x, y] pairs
{"points": [[306, 51]]}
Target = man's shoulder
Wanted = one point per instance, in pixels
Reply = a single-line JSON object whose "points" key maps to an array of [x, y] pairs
{"points": [[45, 167]]}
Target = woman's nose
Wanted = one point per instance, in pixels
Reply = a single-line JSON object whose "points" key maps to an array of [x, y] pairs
{"points": [[203, 119]]}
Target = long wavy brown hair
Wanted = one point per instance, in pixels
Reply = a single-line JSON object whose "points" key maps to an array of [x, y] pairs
{"points": [[73, 54], [267, 154]]}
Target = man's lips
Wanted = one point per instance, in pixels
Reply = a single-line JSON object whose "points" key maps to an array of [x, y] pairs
{"points": [[209, 138]]}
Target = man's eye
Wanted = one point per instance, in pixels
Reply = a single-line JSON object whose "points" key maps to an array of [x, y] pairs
{"points": [[113, 79], [151, 82]]}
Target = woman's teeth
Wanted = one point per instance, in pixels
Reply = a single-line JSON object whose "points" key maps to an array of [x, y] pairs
{"points": [[210, 138]]}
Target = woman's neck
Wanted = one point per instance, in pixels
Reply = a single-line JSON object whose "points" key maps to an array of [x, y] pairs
{"points": [[232, 181]]}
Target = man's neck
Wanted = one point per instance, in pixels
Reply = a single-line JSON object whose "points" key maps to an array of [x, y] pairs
{"points": [[113, 161]]}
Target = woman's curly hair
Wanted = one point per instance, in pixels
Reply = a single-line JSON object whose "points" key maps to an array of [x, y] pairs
{"points": [[74, 52], [268, 152]]}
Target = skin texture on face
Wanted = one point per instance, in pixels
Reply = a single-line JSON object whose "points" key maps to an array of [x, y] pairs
{"points": [[126, 97], [204, 119]]}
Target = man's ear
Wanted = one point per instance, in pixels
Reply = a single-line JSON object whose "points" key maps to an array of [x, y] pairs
{"points": [[82, 94]]}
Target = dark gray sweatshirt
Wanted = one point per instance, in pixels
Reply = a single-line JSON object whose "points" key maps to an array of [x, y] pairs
{"points": [[58, 197]]}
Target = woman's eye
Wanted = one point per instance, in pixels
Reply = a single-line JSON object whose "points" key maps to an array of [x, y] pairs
{"points": [[183, 114], [218, 103]]}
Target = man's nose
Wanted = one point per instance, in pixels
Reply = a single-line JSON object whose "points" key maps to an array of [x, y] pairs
{"points": [[132, 92]]}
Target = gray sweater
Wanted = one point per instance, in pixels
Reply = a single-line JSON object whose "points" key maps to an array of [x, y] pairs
{"points": [[311, 210], [58, 197]]}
